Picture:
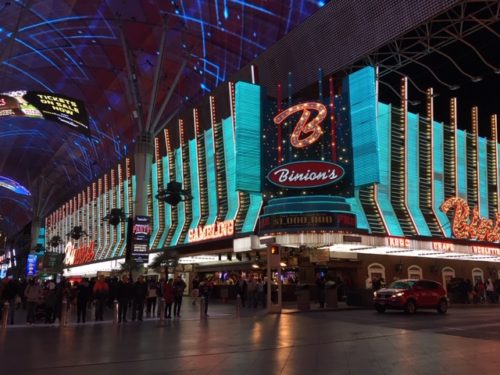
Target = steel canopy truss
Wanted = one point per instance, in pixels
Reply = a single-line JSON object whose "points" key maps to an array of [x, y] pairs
{"points": [[453, 27]]}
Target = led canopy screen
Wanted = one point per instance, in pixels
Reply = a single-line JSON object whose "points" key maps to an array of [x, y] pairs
{"points": [[14, 186], [59, 108]]}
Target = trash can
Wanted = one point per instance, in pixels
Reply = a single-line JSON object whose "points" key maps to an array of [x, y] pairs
{"points": [[303, 298]]}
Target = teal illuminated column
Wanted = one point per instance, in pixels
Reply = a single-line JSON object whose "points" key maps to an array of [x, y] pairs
{"points": [[143, 161]]}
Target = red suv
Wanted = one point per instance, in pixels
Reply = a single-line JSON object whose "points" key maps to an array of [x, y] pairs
{"points": [[410, 294]]}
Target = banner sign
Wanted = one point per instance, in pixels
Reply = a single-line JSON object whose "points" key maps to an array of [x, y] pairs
{"points": [[316, 221], [305, 174], [31, 265], [141, 229], [54, 107]]}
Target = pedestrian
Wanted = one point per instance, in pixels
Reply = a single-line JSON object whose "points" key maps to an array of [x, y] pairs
{"points": [[241, 290], [205, 288], [123, 295], [490, 290], [251, 292], [179, 286], [320, 286], [140, 292], [50, 302], [260, 293], [33, 294], [195, 292], [101, 294], [10, 295], [82, 300], [151, 299], [168, 295]]}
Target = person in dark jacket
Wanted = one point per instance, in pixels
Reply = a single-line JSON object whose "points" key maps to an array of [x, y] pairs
{"points": [[179, 286], [123, 295], [101, 294], [9, 294], [140, 292], [82, 300]]}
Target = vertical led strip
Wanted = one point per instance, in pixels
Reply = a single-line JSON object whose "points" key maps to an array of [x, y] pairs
{"points": [[171, 177], [454, 125], [154, 187], [181, 210], [202, 169], [118, 203], [195, 176], [404, 119], [211, 166], [113, 231], [434, 205], [462, 164], [481, 167], [494, 133], [229, 139], [126, 205]]}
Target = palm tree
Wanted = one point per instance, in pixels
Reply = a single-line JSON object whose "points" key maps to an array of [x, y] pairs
{"points": [[130, 266], [168, 258]]}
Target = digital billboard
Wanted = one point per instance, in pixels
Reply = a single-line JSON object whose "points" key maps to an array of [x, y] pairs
{"points": [[54, 107]]}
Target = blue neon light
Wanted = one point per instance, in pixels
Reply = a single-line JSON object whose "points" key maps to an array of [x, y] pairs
{"points": [[211, 177], [181, 207], [413, 176], [462, 164], [357, 209], [438, 177], [156, 208], [230, 159], [363, 105], [248, 137], [195, 185], [167, 208], [384, 187], [483, 176], [14, 186]]}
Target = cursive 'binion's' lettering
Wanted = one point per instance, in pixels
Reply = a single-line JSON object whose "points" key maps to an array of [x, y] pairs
{"points": [[286, 175]]}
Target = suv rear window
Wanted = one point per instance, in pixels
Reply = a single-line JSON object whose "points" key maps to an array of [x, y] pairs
{"points": [[401, 285]]}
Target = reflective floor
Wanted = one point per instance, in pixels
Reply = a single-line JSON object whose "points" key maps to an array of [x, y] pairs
{"points": [[465, 341]]}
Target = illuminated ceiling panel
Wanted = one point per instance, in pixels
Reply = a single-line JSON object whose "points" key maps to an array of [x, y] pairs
{"points": [[74, 48]]}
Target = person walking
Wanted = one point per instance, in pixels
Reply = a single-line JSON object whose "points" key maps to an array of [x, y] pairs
{"points": [[195, 290], [205, 287], [33, 294], [82, 300], [179, 286], [124, 293], [241, 290], [168, 295], [101, 293], [10, 294], [320, 285], [151, 299], [140, 292]]}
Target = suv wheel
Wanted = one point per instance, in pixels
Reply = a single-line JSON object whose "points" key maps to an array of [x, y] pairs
{"points": [[410, 307], [442, 306], [380, 308]]}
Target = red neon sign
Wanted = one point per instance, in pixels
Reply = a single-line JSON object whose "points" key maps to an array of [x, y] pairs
{"points": [[477, 228], [312, 129]]}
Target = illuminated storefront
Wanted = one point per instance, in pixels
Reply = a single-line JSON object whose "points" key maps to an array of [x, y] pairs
{"points": [[386, 191]]}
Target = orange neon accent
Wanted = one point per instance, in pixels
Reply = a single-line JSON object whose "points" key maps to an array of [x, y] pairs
{"points": [[313, 128], [476, 228]]}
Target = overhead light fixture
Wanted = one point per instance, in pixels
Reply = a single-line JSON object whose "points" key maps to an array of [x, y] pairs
{"points": [[173, 194], [255, 265], [77, 232], [282, 264], [454, 87], [115, 217], [476, 79], [55, 241]]}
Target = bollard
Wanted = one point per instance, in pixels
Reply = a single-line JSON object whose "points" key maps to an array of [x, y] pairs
{"points": [[238, 305], [161, 309], [5, 314], [64, 313], [115, 312], [202, 308]]}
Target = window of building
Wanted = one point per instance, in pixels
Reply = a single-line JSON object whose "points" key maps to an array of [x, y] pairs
{"points": [[376, 270], [477, 275], [448, 274], [415, 272]]}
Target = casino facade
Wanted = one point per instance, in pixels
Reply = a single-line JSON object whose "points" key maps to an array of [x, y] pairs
{"points": [[342, 182]]}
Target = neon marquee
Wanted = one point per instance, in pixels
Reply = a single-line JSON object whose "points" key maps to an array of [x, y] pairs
{"points": [[467, 225], [217, 230]]}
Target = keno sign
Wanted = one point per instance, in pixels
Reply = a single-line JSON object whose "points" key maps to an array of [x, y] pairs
{"points": [[305, 174]]}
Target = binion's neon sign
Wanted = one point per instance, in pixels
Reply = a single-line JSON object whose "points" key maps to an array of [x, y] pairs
{"points": [[476, 228]]}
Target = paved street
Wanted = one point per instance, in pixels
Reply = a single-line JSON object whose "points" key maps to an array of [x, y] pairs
{"points": [[465, 341]]}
